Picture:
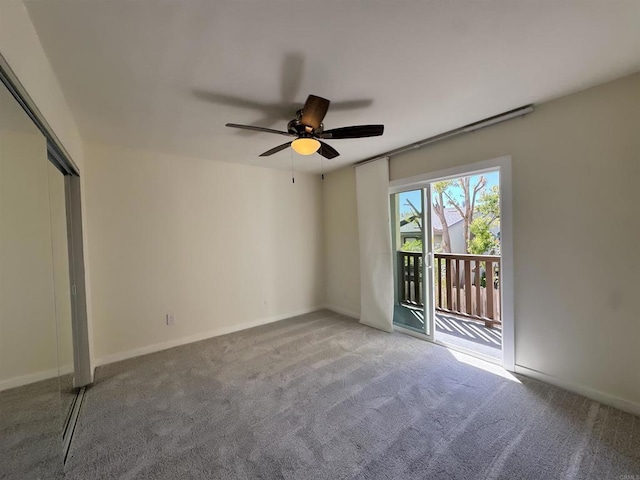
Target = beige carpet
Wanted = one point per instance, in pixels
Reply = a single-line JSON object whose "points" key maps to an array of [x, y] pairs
{"points": [[322, 397]]}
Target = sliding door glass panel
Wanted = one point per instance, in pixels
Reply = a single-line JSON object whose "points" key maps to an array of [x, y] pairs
{"points": [[407, 215], [413, 260]]}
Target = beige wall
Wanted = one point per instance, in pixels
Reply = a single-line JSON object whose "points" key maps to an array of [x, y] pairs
{"points": [[342, 253], [27, 303], [221, 246], [576, 171], [21, 49]]}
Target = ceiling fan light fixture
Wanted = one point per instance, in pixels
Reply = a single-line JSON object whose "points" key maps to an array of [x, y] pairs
{"points": [[307, 128], [305, 146]]}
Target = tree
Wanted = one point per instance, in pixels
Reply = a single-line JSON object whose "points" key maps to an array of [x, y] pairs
{"points": [[482, 240], [489, 205], [473, 201], [414, 216], [412, 245], [438, 207], [466, 207]]}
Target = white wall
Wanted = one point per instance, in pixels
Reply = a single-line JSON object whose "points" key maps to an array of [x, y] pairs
{"points": [[222, 246], [576, 171]]}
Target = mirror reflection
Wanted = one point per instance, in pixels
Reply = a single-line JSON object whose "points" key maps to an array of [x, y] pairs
{"points": [[62, 288], [36, 348]]}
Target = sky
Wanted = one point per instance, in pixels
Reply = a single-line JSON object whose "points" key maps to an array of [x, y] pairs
{"points": [[415, 196]]}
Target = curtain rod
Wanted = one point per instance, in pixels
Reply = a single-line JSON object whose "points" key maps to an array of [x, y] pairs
{"points": [[472, 127]]}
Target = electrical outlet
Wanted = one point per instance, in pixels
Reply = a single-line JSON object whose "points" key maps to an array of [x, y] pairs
{"points": [[171, 319]]}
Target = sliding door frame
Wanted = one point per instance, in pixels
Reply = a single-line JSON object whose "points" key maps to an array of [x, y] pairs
{"points": [[503, 166]]}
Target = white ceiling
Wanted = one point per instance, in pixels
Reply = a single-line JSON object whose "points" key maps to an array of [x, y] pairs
{"points": [[166, 75]]}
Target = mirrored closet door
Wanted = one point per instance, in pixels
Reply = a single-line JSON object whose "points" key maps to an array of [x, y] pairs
{"points": [[62, 290], [36, 347]]}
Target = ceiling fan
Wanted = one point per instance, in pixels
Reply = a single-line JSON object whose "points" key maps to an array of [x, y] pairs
{"points": [[308, 129]]}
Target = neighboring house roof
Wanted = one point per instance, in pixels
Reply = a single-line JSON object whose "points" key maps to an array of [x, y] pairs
{"points": [[451, 215]]}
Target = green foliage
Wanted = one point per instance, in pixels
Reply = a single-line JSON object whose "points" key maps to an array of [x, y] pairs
{"points": [[441, 187], [489, 205], [409, 217], [482, 240], [412, 245]]}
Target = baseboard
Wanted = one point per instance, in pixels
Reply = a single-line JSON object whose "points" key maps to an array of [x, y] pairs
{"points": [[136, 352], [342, 311], [23, 380], [598, 396]]}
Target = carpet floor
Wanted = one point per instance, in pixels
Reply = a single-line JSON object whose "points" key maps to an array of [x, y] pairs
{"points": [[30, 432], [322, 397]]}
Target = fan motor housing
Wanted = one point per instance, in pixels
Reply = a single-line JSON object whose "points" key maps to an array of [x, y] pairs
{"points": [[297, 128]]}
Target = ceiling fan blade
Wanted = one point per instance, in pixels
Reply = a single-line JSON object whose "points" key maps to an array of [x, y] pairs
{"points": [[327, 151], [231, 100], [351, 104], [260, 129], [276, 149], [356, 131], [314, 110]]}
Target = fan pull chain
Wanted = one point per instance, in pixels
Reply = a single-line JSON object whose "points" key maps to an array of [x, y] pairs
{"points": [[293, 178], [321, 168]]}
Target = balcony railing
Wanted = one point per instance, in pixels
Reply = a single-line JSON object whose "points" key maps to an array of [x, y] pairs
{"points": [[465, 285], [410, 278]]}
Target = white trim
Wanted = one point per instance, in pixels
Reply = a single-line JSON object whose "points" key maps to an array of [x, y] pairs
{"points": [[503, 165], [428, 286], [23, 380], [342, 311], [506, 266], [598, 396], [157, 347], [417, 181]]}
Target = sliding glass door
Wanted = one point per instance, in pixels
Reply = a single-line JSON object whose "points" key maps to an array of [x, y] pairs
{"points": [[413, 254]]}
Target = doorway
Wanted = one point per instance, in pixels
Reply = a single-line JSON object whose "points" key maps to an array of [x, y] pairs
{"points": [[448, 237]]}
